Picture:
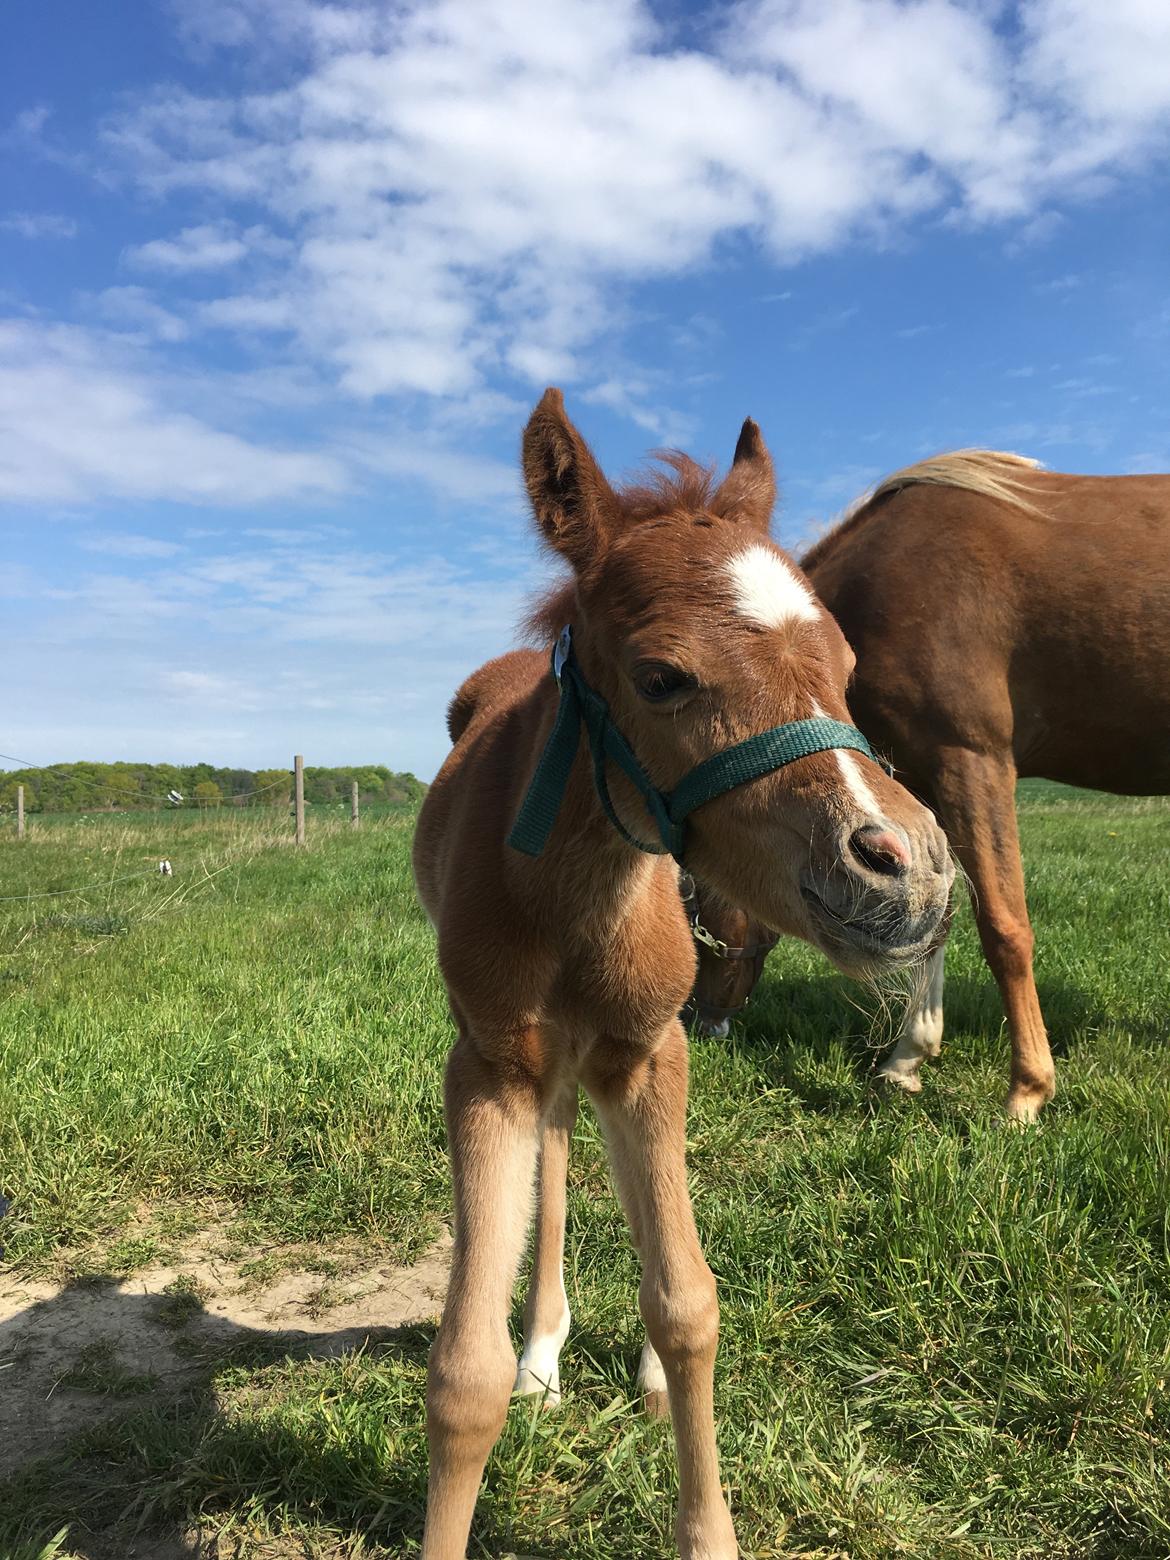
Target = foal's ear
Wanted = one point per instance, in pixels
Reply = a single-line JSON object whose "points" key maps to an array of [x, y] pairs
{"points": [[748, 491], [574, 505]]}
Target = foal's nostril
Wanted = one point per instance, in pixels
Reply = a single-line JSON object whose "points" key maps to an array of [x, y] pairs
{"points": [[879, 848]]}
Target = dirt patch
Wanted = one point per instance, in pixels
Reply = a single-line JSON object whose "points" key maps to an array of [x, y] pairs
{"points": [[73, 1355]]}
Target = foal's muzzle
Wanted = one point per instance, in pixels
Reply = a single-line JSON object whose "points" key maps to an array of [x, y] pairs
{"points": [[884, 896]]}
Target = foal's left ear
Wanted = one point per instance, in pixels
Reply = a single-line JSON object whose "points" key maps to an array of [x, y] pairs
{"points": [[748, 491]]}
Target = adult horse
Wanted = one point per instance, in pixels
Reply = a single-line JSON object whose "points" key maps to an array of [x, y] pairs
{"points": [[1007, 622], [697, 659]]}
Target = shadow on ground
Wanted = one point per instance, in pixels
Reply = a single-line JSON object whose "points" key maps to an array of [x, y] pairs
{"points": [[791, 1024], [112, 1408]]}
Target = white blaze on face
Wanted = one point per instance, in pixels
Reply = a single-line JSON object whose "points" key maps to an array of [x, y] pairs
{"points": [[851, 774], [767, 592]]}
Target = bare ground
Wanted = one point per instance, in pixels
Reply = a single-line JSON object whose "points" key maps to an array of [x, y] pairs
{"points": [[73, 1355]]}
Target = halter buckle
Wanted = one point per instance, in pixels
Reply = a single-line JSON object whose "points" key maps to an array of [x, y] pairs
{"points": [[701, 935]]}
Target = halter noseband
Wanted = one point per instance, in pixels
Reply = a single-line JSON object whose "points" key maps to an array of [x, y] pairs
{"points": [[734, 766]]}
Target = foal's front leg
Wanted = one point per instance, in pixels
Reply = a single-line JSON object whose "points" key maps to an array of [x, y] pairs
{"points": [[546, 1308], [492, 1122], [641, 1101]]}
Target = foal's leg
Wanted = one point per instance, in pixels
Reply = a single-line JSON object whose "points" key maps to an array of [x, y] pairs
{"points": [[492, 1123], [922, 1028], [546, 1308], [977, 805], [642, 1105]]}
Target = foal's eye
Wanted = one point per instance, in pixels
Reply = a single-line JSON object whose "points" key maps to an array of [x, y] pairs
{"points": [[657, 682]]}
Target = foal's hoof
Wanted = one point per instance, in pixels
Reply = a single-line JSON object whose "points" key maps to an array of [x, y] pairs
{"points": [[656, 1405], [1025, 1101], [529, 1385]]}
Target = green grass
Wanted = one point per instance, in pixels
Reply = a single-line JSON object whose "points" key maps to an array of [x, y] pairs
{"points": [[941, 1337]]}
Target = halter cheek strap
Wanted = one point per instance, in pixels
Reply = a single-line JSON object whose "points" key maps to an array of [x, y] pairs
{"points": [[735, 766]]}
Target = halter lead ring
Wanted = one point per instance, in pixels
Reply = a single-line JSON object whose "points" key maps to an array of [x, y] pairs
{"points": [[734, 766]]}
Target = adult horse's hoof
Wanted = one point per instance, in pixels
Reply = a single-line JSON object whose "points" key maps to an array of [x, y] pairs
{"points": [[904, 1079], [719, 1031]]}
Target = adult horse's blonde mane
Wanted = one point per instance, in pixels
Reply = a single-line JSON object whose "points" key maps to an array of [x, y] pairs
{"points": [[994, 473]]}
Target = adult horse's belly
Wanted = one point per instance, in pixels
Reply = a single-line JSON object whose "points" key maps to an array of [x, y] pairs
{"points": [[1091, 694]]}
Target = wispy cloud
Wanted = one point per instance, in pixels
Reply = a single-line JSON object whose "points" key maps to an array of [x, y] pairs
{"points": [[120, 437], [38, 224], [205, 248], [125, 544]]}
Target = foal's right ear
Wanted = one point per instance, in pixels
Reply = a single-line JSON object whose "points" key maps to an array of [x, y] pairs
{"points": [[573, 503]]}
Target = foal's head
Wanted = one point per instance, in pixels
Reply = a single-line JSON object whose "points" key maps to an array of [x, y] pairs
{"points": [[700, 632]]}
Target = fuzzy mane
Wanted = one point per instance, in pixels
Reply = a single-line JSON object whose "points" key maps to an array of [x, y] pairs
{"points": [[993, 473], [680, 483]]}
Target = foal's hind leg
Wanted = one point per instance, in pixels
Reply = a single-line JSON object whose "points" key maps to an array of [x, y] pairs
{"points": [[977, 807], [492, 1121], [546, 1309], [641, 1101]]}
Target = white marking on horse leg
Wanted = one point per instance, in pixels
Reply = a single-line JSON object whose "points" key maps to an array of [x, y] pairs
{"points": [[652, 1382], [922, 1030], [713, 1031], [766, 590], [539, 1372]]}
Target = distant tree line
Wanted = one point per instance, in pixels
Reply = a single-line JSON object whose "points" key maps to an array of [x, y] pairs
{"points": [[125, 787]]}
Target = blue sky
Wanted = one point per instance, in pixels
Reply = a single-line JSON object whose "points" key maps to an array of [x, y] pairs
{"points": [[280, 281]]}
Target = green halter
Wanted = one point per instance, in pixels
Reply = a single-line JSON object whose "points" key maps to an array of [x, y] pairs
{"points": [[735, 766]]}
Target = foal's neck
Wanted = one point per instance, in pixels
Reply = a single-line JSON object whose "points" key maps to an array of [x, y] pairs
{"points": [[591, 875]]}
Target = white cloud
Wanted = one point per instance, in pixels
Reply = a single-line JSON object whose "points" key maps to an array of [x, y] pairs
{"points": [[38, 224], [463, 184], [1107, 67], [79, 419]]}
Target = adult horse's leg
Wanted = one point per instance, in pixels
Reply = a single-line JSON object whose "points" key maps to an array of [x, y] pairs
{"points": [[492, 1124], [546, 1308], [976, 796], [922, 1028], [642, 1105]]}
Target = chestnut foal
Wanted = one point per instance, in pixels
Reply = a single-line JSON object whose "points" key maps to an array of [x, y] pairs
{"points": [[545, 865]]}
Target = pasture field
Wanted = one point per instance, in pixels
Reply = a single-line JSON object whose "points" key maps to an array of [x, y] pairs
{"points": [[942, 1337]]}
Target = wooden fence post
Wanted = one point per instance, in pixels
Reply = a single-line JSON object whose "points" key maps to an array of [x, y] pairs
{"points": [[20, 812], [299, 771], [353, 805]]}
